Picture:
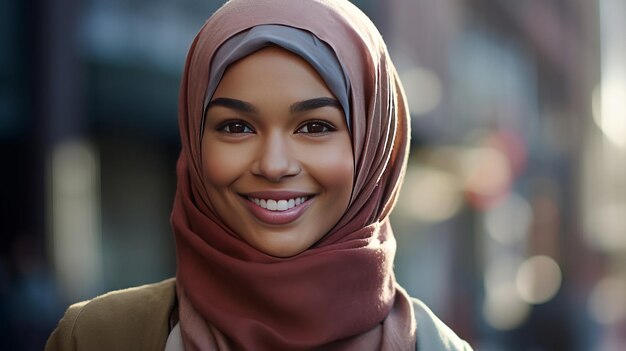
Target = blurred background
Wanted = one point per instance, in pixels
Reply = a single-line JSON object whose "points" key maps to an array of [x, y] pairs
{"points": [[511, 225]]}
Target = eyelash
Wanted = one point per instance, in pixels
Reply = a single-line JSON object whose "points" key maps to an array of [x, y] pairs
{"points": [[225, 127], [328, 127], [222, 127]]}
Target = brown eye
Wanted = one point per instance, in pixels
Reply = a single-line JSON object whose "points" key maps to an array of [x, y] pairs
{"points": [[316, 127], [236, 127]]}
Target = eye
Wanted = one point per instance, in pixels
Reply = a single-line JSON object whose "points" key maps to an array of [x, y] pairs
{"points": [[235, 127], [316, 127]]}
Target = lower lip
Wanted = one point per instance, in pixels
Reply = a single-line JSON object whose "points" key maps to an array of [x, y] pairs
{"points": [[278, 217]]}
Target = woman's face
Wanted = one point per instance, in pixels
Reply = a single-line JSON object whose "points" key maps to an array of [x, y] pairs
{"points": [[276, 153]]}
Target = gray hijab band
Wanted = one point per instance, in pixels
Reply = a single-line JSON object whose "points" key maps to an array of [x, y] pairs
{"points": [[300, 42]]}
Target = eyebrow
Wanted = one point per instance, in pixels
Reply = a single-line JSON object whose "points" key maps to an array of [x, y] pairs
{"points": [[313, 104], [233, 104]]}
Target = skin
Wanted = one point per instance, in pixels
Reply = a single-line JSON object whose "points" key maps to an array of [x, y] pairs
{"points": [[260, 137]]}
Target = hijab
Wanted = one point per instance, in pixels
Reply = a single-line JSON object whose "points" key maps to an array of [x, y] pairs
{"points": [[339, 294]]}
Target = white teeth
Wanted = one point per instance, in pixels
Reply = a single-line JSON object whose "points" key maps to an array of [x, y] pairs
{"points": [[272, 205], [280, 205]]}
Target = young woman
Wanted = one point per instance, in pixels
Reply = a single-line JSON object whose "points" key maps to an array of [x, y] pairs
{"points": [[295, 139]]}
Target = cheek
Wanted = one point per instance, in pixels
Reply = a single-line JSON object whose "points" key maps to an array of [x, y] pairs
{"points": [[334, 170], [219, 167]]}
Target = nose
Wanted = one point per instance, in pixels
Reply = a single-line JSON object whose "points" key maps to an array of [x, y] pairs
{"points": [[275, 160]]}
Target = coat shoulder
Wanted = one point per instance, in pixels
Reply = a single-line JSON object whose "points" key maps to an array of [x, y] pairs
{"points": [[432, 333], [129, 319]]}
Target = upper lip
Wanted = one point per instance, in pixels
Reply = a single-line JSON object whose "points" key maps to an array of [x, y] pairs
{"points": [[277, 194]]}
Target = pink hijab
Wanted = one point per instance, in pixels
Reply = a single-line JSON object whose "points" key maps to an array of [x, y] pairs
{"points": [[339, 294]]}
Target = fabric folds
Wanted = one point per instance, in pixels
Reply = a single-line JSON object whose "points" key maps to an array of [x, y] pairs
{"points": [[340, 294]]}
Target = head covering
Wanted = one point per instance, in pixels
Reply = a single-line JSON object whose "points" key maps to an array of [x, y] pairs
{"points": [[339, 294], [302, 43]]}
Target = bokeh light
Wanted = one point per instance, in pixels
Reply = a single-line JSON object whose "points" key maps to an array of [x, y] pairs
{"points": [[609, 104], [503, 308], [423, 90], [538, 279], [607, 222], [509, 221], [76, 242], [486, 174], [611, 95], [607, 302], [430, 195]]}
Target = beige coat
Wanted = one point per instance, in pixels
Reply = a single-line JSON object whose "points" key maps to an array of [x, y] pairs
{"points": [[132, 319], [139, 319]]}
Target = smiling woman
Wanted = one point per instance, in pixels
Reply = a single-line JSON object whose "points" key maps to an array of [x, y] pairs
{"points": [[294, 134]]}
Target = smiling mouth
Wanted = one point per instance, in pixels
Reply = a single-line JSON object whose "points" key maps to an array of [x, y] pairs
{"points": [[278, 205]]}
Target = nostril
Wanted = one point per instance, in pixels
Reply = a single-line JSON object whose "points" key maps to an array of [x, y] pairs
{"points": [[276, 162]]}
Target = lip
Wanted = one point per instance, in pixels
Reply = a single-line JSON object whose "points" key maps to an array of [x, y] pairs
{"points": [[277, 217]]}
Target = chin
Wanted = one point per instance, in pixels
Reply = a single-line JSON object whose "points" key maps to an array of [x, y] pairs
{"points": [[282, 250]]}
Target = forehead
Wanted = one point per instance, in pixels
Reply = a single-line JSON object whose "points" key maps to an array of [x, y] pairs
{"points": [[272, 71]]}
